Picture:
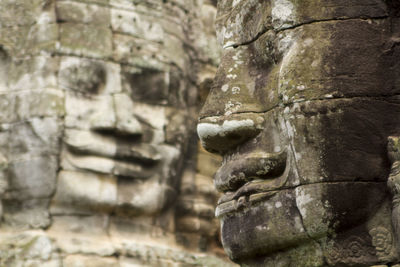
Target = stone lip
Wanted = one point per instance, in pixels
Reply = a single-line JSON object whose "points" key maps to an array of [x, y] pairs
{"points": [[229, 207], [256, 165], [250, 194], [250, 179], [107, 155], [144, 153]]}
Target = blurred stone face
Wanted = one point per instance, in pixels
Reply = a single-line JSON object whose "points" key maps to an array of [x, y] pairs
{"points": [[124, 133], [116, 137], [301, 108], [112, 81]]}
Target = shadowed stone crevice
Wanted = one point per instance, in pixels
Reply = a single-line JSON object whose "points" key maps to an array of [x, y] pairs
{"points": [[332, 20], [276, 31], [316, 240]]}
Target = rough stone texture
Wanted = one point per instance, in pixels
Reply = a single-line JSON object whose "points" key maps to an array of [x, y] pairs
{"points": [[305, 111], [98, 157]]}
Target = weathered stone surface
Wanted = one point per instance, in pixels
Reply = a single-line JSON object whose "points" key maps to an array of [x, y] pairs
{"points": [[26, 177], [89, 261], [8, 106], [85, 40], [309, 254], [26, 213], [74, 234], [247, 20], [136, 24], [33, 73], [29, 40], [76, 12], [28, 12], [137, 52], [28, 249], [39, 104], [77, 190], [263, 227]]}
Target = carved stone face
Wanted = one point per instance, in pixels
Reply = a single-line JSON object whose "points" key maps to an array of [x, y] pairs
{"points": [[124, 125], [119, 133], [97, 111], [301, 108]]}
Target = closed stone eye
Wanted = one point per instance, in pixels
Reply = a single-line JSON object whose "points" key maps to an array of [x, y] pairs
{"points": [[88, 77]]}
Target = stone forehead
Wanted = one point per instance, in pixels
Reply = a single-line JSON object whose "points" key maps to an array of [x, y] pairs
{"points": [[313, 61], [241, 21]]}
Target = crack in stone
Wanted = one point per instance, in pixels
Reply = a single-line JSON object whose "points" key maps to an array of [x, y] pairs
{"points": [[288, 104], [293, 187], [297, 208], [329, 20], [254, 39], [265, 30]]}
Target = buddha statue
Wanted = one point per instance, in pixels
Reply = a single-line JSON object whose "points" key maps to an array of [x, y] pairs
{"points": [[305, 111]]}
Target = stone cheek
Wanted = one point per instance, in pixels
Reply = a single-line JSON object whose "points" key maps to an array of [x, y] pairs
{"points": [[263, 227]]}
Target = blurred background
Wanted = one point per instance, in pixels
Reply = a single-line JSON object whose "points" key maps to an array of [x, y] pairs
{"points": [[99, 159]]}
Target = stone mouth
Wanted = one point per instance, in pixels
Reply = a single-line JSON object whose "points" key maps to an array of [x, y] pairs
{"points": [[107, 166], [249, 194], [235, 205], [254, 167], [98, 154], [250, 179]]}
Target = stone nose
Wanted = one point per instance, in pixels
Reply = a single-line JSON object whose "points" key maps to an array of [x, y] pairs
{"points": [[221, 134], [120, 118], [240, 85]]}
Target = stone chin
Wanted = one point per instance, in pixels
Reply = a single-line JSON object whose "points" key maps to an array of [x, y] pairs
{"points": [[143, 185], [262, 228], [148, 198], [321, 219]]}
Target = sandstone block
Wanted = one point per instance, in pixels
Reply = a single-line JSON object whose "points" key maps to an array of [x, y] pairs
{"points": [[138, 52], [76, 12], [30, 248], [33, 73], [21, 41], [34, 138], [26, 214], [26, 12], [86, 235], [89, 261], [32, 177], [136, 24], [43, 103], [85, 40], [7, 106], [80, 191]]}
